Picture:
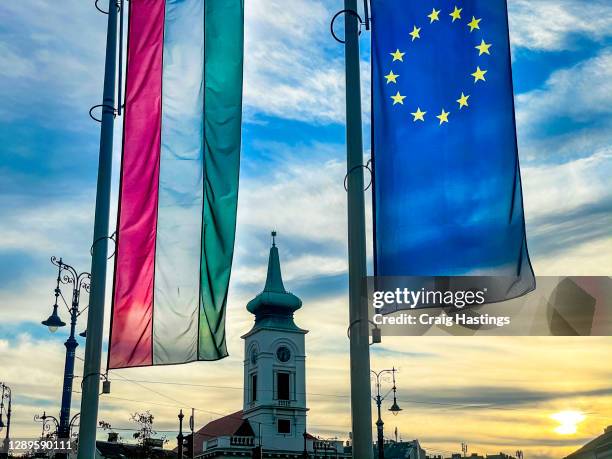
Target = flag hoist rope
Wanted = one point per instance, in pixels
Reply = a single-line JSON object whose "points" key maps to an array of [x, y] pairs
{"points": [[95, 319]]}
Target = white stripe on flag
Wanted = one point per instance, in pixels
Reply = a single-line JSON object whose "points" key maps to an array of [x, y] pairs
{"points": [[177, 262]]}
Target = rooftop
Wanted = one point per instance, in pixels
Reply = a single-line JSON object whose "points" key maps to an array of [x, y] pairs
{"points": [[603, 441]]}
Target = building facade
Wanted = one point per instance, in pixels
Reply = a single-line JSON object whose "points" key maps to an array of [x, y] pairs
{"points": [[274, 408], [275, 365]]}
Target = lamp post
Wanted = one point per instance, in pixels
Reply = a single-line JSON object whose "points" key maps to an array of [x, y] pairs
{"points": [[66, 274], [180, 437], [395, 409], [49, 421], [5, 397]]}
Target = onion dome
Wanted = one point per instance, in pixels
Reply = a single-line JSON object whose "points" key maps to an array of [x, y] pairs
{"points": [[274, 305]]}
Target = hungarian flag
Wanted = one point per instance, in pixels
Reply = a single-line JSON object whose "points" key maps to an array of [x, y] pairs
{"points": [[179, 181]]}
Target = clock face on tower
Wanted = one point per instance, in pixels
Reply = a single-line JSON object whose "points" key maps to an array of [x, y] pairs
{"points": [[283, 354]]}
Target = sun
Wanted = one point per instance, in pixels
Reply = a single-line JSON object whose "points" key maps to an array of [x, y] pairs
{"points": [[568, 421]]}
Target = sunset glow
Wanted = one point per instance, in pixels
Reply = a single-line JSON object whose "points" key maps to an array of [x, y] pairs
{"points": [[568, 421]]}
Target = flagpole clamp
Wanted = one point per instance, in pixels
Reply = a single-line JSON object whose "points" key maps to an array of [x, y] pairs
{"points": [[354, 168], [103, 377], [112, 237], [96, 4], [99, 120], [354, 13], [376, 332]]}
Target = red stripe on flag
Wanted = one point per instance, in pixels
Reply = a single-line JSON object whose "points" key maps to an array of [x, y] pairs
{"points": [[132, 315]]}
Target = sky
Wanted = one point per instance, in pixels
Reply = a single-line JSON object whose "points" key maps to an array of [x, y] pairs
{"points": [[496, 394]]}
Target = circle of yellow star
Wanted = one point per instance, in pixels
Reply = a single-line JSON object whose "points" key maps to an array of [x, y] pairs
{"points": [[483, 48], [456, 14], [419, 115], [474, 24], [463, 101], [416, 33], [443, 117], [398, 98], [391, 78], [479, 75], [398, 56], [434, 16]]}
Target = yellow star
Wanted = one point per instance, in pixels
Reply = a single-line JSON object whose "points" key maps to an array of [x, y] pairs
{"points": [[456, 14], [463, 101], [419, 115], [483, 47], [479, 75], [398, 56], [391, 78], [398, 98], [433, 16], [443, 117], [474, 24], [416, 33]]}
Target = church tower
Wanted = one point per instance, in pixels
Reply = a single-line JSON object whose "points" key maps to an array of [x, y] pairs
{"points": [[274, 365]]}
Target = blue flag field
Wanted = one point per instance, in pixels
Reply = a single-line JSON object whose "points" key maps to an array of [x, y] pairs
{"points": [[447, 197]]}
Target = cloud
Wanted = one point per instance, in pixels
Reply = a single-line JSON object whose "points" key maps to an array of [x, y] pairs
{"points": [[287, 70], [580, 97], [35, 227], [500, 397], [41, 228], [293, 67], [561, 189], [564, 131], [52, 71], [13, 65], [554, 25], [301, 196]]}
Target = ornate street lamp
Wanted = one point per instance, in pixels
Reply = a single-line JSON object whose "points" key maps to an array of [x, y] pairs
{"points": [[67, 275], [180, 437], [53, 322], [51, 425], [395, 409], [48, 422]]}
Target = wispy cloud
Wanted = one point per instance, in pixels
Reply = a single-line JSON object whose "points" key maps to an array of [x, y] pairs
{"points": [[553, 25], [53, 74], [293, 67], [572, 101]]}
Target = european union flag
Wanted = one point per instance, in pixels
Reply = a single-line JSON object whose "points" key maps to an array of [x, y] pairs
{"points": [[448, 198]]}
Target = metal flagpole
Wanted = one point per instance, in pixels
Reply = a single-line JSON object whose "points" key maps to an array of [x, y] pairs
{"points": [[95, 319], [361, 410]]}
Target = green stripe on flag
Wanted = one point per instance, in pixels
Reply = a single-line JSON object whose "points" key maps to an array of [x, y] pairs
{"points": [[224, 32]]}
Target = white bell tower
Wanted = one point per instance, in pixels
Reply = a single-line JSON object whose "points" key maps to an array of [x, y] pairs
{"points": [[274, 365]]}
